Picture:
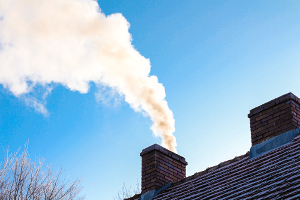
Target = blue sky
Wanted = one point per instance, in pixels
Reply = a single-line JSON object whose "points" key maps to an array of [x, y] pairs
{"points": [[216, 60]]}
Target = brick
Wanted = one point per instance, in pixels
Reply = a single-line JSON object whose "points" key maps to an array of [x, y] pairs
{"points": [[146, 182], [174, 179], [150, 185], [151, 170], [178, 170], [253, 120], [168, 178], [286, 106], [164, 166], [268, 133], [173, 170], [253, 136], [256, 131], [146, 176], [267, 118], [182, 175], [162, 174], [257, 138], [280, 113], [284, 128], [255, 123], [150, 164], [178, 176], [274, 119], [262, 132], [294, 113], [296, 120], [261, 125], [267, 111], [278, 106], [281, 120], [269, 125], [261, 117], [181, 167]]}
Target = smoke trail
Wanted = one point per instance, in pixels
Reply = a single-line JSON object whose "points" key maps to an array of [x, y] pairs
{"points": [[72, 43]]}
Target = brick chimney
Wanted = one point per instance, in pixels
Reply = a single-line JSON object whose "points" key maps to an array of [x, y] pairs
{"points": [[161, 166], [274, 118]]}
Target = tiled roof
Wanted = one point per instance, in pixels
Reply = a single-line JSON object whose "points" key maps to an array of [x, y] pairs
{"points": [[274, 175]]}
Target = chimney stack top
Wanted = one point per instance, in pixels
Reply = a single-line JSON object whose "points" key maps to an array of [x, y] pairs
{"points": [[164, 151], [273, 102]]}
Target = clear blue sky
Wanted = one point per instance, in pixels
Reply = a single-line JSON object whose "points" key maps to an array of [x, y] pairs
{"points": [[216, 60]]}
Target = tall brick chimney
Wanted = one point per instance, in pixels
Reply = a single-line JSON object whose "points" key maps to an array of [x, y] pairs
{"points": [[161, 166], [274, 118]]}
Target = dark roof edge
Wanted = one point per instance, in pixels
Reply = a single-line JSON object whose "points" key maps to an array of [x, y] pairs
{"points": [[274, 102], [164, 151]]}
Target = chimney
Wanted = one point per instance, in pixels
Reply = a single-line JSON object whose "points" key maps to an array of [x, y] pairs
{"points": [[274, 118], [161, 166]]}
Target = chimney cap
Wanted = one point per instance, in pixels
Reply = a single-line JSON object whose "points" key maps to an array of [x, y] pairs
{"points": [[164, 151], [274, 102]]}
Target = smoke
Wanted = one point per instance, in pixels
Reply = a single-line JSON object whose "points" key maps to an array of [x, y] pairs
{"points": [[70, 42]]}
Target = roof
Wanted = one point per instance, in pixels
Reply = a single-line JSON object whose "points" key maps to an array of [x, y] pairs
{"points": [[275, 174]]}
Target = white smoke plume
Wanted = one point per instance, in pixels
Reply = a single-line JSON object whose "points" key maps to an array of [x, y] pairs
{"points": [[71, 42]]}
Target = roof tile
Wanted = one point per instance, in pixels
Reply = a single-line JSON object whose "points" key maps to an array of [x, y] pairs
{"points": [[274, 175]]}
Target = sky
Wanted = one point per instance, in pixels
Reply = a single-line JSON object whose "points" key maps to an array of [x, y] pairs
{"points": [[216, 60]]}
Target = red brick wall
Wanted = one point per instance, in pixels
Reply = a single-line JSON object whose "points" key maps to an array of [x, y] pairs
{"points": [[161, 166], [274, 118]]}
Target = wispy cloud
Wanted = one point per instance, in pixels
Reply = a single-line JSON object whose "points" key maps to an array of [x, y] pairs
{"points": [[108, 96], [36, 104]]}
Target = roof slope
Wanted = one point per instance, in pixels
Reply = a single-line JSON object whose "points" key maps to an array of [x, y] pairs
{"points": [[275, 174]]}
